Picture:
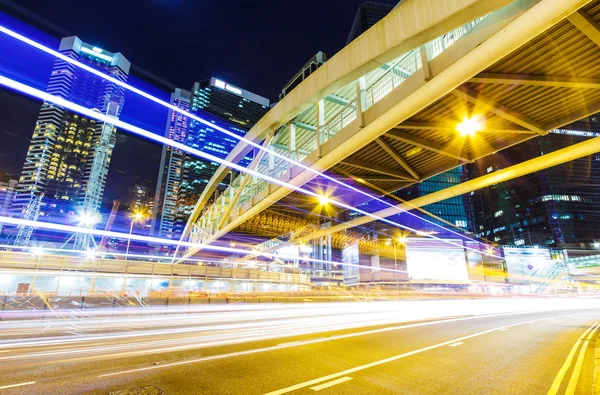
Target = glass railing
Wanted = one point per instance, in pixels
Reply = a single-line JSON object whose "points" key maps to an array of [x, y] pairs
{"points": [[278, 168]]}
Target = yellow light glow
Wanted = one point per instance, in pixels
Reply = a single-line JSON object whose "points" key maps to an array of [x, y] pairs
{"points": [[359, 180], [138, 216], [469, 126], [232, 244], [324, 200], [401, 240]]}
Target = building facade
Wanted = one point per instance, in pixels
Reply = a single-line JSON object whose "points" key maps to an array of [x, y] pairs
{"points": [[368, 14], [556, 207], [450, 213], [183, 176], [69, 154]]}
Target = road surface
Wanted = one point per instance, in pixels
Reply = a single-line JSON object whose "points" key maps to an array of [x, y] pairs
{"points": [[418, 347]]}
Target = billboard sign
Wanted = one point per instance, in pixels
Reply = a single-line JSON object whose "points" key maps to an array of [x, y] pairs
{"points": [[527, 265], [428, 259]]}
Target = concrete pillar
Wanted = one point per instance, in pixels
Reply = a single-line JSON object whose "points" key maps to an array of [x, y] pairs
{"points": [[361, 99], [320, 109]]}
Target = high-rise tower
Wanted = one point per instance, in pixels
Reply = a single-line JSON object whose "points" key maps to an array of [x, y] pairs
{"points": [[68, 158], [182, 176]]}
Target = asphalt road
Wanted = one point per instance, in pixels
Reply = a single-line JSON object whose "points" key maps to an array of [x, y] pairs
{"points": [[248, 352]]}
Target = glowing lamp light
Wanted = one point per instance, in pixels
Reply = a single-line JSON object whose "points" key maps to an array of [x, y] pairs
{"points": [[469, 126], [232, 244], [90, 254], [401, 240], [138, 216], [88, 219], [359, 180], [37, 251], [324, 200]]}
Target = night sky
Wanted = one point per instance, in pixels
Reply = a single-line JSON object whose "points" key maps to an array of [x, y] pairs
{"points": [[258, 45]]}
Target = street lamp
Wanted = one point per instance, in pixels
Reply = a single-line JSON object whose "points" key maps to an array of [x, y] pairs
{"points": [[136, 217], [469, 126], [324, 200], [401, 240]]}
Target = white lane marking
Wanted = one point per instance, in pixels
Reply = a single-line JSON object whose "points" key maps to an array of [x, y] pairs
{"points": [[17, 385], [504, 329], [331, 383], [298, 342], [456, 344], [397, 357], [320, 340]]}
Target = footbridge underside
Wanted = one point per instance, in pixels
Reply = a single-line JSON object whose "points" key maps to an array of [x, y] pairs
{"points": [[382, 114]]}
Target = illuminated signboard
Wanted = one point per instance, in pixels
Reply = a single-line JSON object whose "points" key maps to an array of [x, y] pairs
{"points": [[527, 265], [428, 259], [227, 87], [97, 52], [350, 257]]}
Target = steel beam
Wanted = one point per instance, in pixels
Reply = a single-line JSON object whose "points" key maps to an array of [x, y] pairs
{"points": [[451, 127], [484, 103], [426, 144], [375, 168], [586, 25], [396, 156], [570, 153], [537, 80]]}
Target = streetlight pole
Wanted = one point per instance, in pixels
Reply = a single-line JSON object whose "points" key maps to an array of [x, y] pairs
{"points": [[396, 267], [138, 217], [129, 239]]}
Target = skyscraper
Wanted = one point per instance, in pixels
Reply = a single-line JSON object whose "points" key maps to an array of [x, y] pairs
{"points": [[369, 13], [183, 177], [556, 207], [69, 154], [167, 185], [8, 187]]}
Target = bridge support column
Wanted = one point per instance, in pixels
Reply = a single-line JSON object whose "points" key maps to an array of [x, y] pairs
{"points": [[292, 149], [361, 102], [320, 108]]}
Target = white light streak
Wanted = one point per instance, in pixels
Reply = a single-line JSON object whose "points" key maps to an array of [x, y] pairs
{"points": [[12, 84], [229, 133]]}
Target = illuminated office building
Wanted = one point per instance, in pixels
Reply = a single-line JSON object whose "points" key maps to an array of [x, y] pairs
{"points": [[60, 160], [183, 176], [556, 207], [451, 213], [167, 186]]}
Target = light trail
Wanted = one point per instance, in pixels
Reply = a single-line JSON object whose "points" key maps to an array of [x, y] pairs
{"points": [[23, 88], [156, 100], [160, 258], [151, 332], [149, 239]]}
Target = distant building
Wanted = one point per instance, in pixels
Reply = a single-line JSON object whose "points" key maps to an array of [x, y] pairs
{"points": [[369, 13], [452, 212], [139, 199], [167, 185], [556, 207], [310, 67], [63, 153], [8, 187], [182, 176]]}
